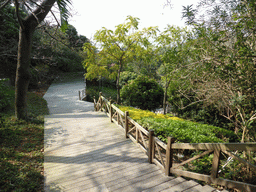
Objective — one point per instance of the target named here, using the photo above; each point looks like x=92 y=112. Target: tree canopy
x=34 y=13
x=115 y=49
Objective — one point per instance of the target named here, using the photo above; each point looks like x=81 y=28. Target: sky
x=92 y=15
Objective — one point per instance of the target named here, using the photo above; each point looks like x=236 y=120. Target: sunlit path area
x=85 y=152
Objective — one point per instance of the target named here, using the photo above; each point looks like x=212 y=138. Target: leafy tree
x=143 y=92
x=58 y=50
x=173 y=52
x=115 y=50
x=225 y=48
x=28 y=25
x=9 y=35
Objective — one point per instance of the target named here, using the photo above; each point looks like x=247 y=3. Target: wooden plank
x=216 y=146
x=215 y=164
x=224 y=182
x=180 y=187
x=160 y=155
x=159 y=164
x=208 y=188
x=191 y=159
x=169 y=156
x=165 y=185
x=131 y=129
x=118 y=110
x=160 y=143
x=126 y=128
x=114 y=121
x=138 y=144
x=240 y=160
x=150 y=146
x=142 y=138
x=196 y=188
x=121 y=120
x=138 y=126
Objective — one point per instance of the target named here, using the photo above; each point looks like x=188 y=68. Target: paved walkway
x=85 y=152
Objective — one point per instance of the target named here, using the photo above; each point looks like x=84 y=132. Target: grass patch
x=21 y=147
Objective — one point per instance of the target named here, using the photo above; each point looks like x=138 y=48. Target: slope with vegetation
x=21 y=143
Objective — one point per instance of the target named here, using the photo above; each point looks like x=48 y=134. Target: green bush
x=187 y=131
x=127 y=76
x=143 y=93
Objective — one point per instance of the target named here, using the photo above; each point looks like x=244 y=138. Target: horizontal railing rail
x=162 y=154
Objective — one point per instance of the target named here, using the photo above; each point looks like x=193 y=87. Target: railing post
x=100 y=101
x=126 y=123
x=118 y=118
x=137 y=135
x=150 y=146
x=215 y=164
x=169 y=156
x=94 y=103
x=79 y=94
x=110 y=110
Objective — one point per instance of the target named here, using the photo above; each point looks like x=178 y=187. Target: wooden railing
x=163 y=154
x=82 y=94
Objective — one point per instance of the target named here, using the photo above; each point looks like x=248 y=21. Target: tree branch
x=5 y=3
x=17 y=13
x=32 y=13
x=40 y=12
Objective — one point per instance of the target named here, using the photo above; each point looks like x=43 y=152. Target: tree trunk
x=118 y=82
x=27 y=28
x=22 y=72
x=165 y=98
x=118 y=89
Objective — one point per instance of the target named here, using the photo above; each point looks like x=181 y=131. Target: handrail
x=162 y=154
x=216 y=146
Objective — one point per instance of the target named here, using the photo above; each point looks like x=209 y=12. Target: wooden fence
x=82 y=94
x=163 y=154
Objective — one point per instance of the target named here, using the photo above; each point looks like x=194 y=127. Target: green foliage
x=137 y=114
x=107 y=92
x=142 y=92
x=223 y=51
x=9 y=35
x=202 y=165
x=127 y=76
x=182 y=130
x=188 y=131
x=21 y=144
x=6 y=95
x=116 y=49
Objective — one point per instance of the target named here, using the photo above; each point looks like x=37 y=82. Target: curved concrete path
x=85 y=152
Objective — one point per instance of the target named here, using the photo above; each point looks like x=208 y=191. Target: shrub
x=182 y=130
x=188 y=131
x=143 y=93
x=127 y=76
x=137 y=114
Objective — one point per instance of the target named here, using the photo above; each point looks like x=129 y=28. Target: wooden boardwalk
x=85 y=152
